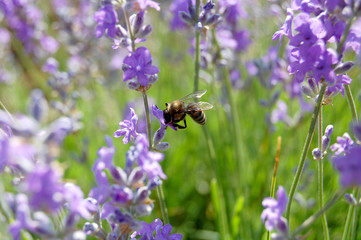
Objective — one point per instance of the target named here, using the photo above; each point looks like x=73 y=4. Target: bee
x=177 y=110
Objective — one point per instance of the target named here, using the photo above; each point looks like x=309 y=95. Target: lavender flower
x=272 y=214
x=161 y=232
x=349 y=166
x=128 y=128
x=139 y=65
x=106 y=19
x=343 y=144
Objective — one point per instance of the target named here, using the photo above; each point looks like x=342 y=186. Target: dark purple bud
x=135 y=176
x=153 y=78
x=350 y=199
x=133 y=84
x=145 y=31
x=158 y=136
x=90 y=228
x=186 y=18
x=141 y=195
x=38 y=107
x=307 y=91
x=317 y=154
x=313 y=85
x=154 y=183
x=325 y=143
x=121 y=195
x=119 y=175
x=344 y=67
x=191 y=9
x=163 y=146
x=125 y=67
x=209 y=6
x=214 y=19
x=328 y=130
x=282 y=226
x=121 y=32
x=137 y=21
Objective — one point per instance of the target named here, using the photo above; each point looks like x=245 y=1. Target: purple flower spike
x=128 y=128
x=106 y=18
x=349 y=167
x=162 y=232
x=139 y=65
x=271 y=216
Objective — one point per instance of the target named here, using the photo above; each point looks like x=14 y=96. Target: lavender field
x=180 y=119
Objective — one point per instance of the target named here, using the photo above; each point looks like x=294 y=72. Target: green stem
x=163 y=206
x=305 y=150
x=320 y=177
x=274 y=176
x=129 y=29
x=309 y=221
x=351 y=102
x=149 y=129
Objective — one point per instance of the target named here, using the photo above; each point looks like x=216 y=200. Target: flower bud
x=209 y=5
x=141 y=195
x=344 y=67
x=154 y=183
x=328 y=130
x=313 y=85
x=135 y=176
x=137 y=22
x=145 y=31
x=186 y=18
x=317 y=154
x=153 y=78
x=214 y=19
x=325 y=143
x=350 y=199
x=307 y=91
x=133 y=84
x=158 y=136
x=356 y=128
x=163 y=146
x=90 y=228
x=38 y=107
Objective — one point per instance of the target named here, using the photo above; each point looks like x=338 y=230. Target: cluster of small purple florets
x=139 y=73
x=315 y=28
x=28 y=153
x=347 y=158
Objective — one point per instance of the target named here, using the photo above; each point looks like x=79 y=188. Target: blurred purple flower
x=272 y=214
x=143 y=4
x=162 y=232
x=349 y=166
x=343 y=144
x=139 y=64
x=51 y=65
x=49 y=44
x=128 y=128
x=232 y=10
x=147 y=160
x=106 y=19
x=178 y=6
x=44 y=188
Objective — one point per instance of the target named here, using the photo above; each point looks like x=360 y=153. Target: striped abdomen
x=196 y=113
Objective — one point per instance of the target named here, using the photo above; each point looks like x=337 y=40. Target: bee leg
x=179 y=126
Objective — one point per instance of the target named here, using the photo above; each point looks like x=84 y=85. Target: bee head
x=167 y=116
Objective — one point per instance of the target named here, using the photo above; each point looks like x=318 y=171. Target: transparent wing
x=198 y=107
x=204 y=106
x=193 y=95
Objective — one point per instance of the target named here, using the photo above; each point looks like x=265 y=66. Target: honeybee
x=177 y=110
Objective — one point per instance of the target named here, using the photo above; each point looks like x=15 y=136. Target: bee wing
x=204 y=106
x=196 y=94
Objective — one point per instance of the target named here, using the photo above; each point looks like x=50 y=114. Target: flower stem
x=351 y=102
x=326 y=234
x=309 y=221
x=197 y=50
x=274 y=176
x=163 y=206
x=149 y=129
x=305 y=150
x=131 y=36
